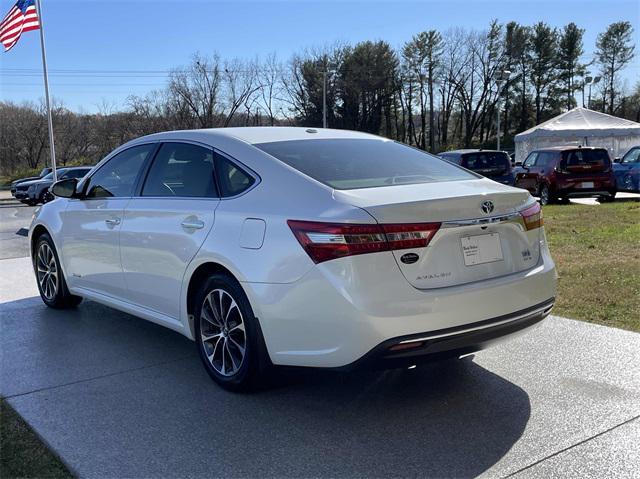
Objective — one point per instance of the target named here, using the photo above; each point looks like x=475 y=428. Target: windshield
x=487 y=162
x=50 y=175
x=633 y=156
x=363 y=163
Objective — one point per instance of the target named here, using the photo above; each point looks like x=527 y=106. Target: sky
x=102 y=38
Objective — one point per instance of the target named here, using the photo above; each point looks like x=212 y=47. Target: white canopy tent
x=580 y=126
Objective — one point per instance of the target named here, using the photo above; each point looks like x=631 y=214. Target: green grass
x=22 y=454
x=597 y=254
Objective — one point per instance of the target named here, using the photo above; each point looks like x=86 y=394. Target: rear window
x=361 y=163
x=587 y=159
x=484 y=162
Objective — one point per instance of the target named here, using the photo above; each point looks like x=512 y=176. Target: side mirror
x=65 y=188
x=617 y=159
x=518 y=163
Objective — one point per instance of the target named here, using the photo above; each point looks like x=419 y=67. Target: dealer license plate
x=481 y=249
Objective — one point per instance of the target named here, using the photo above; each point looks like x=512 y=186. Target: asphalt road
x=116 y=396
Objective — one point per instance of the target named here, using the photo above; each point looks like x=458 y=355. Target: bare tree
x=270 y=86
x=239 y=81
x=195 y=90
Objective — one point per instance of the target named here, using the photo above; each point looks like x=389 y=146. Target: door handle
x=112 y=221
x=193 y=224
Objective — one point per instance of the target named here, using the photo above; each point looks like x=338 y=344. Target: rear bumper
x=587 y=193
x=452 y=342
x=571 y=189
x=342 y=310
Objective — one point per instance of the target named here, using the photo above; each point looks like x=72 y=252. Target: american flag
x=23 y=17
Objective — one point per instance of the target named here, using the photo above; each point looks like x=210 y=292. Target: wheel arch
x=38 y=231
x=202 y=272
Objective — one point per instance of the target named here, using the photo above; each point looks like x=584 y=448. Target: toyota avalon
x=291 y=246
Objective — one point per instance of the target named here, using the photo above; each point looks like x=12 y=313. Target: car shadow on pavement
x=142 y=405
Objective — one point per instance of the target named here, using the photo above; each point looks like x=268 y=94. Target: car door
x=91 y=224
x=630 y=161
x=166 y=223
x=526 y=175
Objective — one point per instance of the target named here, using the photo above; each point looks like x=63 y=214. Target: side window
x=232 y=179
x=531 y=159
x=117 y=177
x=183 y=170
x=544 y=159
x=633 y=156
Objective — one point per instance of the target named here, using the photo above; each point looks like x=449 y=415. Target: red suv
x=567 y=172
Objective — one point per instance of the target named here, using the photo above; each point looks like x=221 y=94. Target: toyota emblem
x=486 y=207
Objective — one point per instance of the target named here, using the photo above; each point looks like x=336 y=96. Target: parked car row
x=32 y=191
x=557 y=173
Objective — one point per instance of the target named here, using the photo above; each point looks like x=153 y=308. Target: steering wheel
x=173 y=193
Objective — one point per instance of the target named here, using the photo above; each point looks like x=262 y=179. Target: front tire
x=51 y=283
x=228 y=335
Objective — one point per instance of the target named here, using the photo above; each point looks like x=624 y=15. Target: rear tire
x=544 y=193
x=49 y=276
x=228 y=335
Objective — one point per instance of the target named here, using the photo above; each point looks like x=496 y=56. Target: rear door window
x=545 y=159
x=232 y=179
x=487 y=163
x=363 y=163
x=181 y=170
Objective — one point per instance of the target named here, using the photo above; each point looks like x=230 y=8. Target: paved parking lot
x=116 y=396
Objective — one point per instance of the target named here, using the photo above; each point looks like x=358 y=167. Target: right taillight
x=532 y=217
x=326 y=241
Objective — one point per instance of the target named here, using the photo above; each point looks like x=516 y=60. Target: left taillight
x=327 y=241
x=532 y=217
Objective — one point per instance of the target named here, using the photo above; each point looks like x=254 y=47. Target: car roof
x=267 y=134
x=472 y=150
x=569 y=147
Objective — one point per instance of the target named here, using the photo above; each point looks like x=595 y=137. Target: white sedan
x=293 y=246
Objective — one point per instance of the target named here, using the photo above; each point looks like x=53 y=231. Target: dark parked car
x=35 y=191
x=567 y=172
x=495 y=165
x=627 y=171
x=43 y=173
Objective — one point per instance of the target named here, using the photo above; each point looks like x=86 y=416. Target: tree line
x=439 y=90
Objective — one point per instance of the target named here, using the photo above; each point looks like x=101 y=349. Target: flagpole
x=52 y=147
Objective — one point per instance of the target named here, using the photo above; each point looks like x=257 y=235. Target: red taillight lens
x=532 y=217
x=326 y=241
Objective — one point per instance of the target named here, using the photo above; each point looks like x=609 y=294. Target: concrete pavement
x=116 y=396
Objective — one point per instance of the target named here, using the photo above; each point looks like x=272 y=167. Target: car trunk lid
x=482 y=233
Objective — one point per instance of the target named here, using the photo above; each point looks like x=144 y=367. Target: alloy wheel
x=544 y=195
x=222 y=331
x=47 y=271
